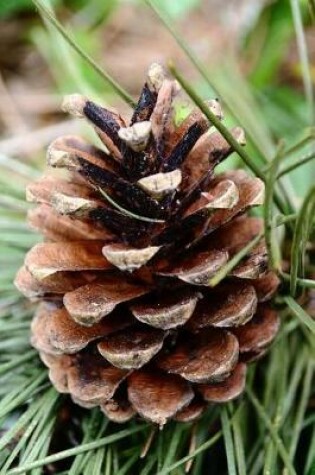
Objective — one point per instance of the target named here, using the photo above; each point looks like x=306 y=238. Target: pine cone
x=134 y=231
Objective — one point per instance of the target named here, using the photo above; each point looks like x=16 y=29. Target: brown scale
x=133 y=233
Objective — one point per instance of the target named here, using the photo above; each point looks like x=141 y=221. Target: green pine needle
x=232 y=263
x=301 y=234
x=76 y=450
x=298 y=311
x=272 y=432
x=228 y=441
x=48 y=15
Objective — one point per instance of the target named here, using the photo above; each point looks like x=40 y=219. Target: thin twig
x=300 y=313
x=272 y=431
x=300 y=237
x=223 y=130
x=307 y=283
x=148 y=443
x=273 y=254
x=302 y=161
x=224 y=271
x=192 y=448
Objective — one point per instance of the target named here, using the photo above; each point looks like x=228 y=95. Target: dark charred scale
x=129 y=230
x=104 y=120
x=154 y=159
x=109 y=162
x=167 y=202
x=137 y=200
x=181 y=232
x=144 y=166
x=136 y=163
x=183 y=147
x=160 y=152
x=145 y=105
x=129 y=194
x=129 y=159
x=147 y=161
x=95 y=174
x=159 y=155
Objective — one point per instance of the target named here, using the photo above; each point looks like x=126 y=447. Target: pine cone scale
x=89 y=303
x=229 y=306
x=45 y=259
x=166 y=311
x=132 y=348
x=201 y=358
x=158 y=396
x=55 y=332
x=226 y=390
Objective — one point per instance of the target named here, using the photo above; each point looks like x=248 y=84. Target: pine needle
x=126 y=212
x=232 y=263
x=271 y=243
x=53 y=20
x=200 y=449
x=76 y=450
x=302 y=161
x=300 y=237
x=228 y=440
x=302 y=406
x=298 y=311
x=272 y=432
